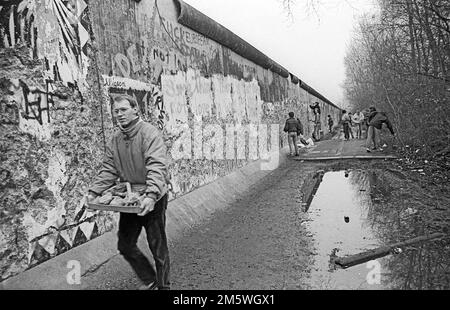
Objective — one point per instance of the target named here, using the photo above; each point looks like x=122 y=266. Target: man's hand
x=91 y=196
x=88 y=198
x=148 y=205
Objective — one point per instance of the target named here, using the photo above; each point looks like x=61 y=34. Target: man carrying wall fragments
x=137 y=154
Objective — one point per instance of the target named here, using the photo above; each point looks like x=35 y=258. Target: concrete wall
x=60 y=63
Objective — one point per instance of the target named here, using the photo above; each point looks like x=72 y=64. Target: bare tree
x=400 y=62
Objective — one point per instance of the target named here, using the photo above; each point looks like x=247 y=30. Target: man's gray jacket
x=136 y=155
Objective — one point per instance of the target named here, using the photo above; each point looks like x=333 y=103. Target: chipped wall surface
x=62 y=62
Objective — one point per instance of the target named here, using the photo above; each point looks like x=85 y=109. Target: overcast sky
x=311 y=45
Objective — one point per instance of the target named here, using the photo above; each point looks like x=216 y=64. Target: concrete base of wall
x=182 y=214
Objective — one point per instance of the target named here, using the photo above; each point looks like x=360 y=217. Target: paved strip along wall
x=220 y=105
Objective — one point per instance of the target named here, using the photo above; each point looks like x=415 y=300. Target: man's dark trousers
x=130 y=227
x=346 y=131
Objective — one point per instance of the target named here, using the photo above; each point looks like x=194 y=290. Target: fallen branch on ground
x=349 y=261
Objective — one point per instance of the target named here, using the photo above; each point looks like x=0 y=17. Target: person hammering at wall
x=375 y=125
x=317 y=124
x=137 y=154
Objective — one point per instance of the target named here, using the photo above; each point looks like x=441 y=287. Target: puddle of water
x=339 y=219
x=309 y=190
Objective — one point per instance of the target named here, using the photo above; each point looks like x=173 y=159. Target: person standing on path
x=365 y=122
x=292 y=128
x=358 y=119
x=375 y=124
x=346 y=125
x=330 y=123
x=137 y=154
x=350 y=127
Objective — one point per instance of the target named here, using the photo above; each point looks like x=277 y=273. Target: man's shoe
x=368 y=150
x=149 y=287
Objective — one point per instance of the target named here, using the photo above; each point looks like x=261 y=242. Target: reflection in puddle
x=355 y=211
x=339 y=219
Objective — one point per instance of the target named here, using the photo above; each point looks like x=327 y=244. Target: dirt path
x=257 y=243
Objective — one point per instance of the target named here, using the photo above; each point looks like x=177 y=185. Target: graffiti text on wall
x=191 y=44
x=130 y=65
x=37 y=104
x=29 y=107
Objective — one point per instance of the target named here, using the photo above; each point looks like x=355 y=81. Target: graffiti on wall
x=134 y=62
x=173 y=48
x=56 y=31
x=37 y=104
x=193 y=45
x=239 y=66
x=29 y=107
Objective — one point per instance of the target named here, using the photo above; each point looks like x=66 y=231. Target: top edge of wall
x=192 y=18
x=199 y=22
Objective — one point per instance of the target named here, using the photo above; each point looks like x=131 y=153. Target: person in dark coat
x=346 y=121
x=330 y=123
x=375 y=124
x=293 y=128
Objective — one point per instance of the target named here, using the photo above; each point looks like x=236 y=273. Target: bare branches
x=314 y=8
x=400 y=62
x=310 y=7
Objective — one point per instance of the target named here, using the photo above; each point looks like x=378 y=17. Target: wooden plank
x=311 y=158
x=113 y=208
